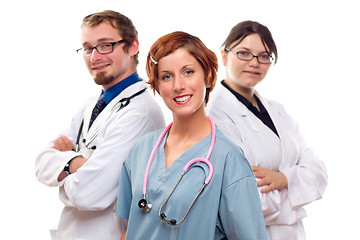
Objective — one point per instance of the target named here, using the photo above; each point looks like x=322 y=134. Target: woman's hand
x=274 y=180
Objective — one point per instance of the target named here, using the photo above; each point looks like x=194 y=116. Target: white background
x=44 y=82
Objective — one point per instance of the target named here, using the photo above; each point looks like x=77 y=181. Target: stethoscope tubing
x=123 y=103
x=187 y=166
x=147 y=170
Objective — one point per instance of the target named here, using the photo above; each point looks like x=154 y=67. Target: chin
x=103 y=79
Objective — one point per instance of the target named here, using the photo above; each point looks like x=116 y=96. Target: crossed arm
x=64 y=144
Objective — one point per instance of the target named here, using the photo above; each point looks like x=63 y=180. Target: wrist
x=76 y=163
x=67 y=168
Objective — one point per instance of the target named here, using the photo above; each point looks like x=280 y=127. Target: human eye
x=265 y=58
x=88 y=50
x=243 y=53
x=188 y=72
x=165 y=77
x=105 y=46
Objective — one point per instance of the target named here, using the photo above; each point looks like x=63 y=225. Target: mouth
x=252 y=72
x=100 y=67
x=182 y=99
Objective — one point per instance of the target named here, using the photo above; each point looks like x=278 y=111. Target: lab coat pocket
x=270 y=203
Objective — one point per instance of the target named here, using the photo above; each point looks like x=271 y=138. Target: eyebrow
x=186 y=66
x=182 y=68
x=101 y=40
x=249 y=50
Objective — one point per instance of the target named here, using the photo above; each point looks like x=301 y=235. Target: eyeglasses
x=248 y=56
x=102 y=48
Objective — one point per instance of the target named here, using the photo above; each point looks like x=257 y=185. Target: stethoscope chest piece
x=144 y=205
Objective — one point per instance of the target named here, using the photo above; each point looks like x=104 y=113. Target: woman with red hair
x=188 y=181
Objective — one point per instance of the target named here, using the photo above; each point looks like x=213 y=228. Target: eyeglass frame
x=96 y=47
x=253 y=56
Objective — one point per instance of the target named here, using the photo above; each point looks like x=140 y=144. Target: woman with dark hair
x=188 y=181
x=289 y=174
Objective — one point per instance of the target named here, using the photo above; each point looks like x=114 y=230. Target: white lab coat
x=306 y=174
x=89 y=195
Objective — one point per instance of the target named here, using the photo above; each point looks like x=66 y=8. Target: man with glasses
x=85 y=160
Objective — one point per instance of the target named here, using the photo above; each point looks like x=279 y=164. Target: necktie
x=100 y=105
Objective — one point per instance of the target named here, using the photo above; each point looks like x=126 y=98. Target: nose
x=95 y=55
x=179 y=84
x=254 y=61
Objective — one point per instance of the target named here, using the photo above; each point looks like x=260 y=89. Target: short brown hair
x=173 y=41
x=246 y=28
x=120 y=22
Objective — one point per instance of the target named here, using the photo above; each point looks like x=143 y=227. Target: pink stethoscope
x=146 y=206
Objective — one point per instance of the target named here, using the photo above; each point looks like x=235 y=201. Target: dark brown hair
x=246 y=28
x=173 y=41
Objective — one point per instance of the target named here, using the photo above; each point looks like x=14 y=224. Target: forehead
x=177 y=59
x=252 y=42
x=99 y=33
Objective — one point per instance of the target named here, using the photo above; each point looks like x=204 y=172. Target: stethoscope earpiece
x=144 y=205
x=171 y=222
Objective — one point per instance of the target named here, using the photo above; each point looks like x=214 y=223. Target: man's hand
x=63 y=144
x=274 y=180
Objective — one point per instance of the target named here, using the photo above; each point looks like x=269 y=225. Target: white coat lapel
x=111 y=108
x=282 y=124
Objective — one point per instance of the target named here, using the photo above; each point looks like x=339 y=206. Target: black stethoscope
x=123 y=103
x=146 y=206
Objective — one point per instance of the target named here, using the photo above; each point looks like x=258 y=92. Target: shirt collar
x=244 y=101
x=115 y=90
x=239 y=97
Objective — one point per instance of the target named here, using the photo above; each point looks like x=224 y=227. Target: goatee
x=103 y=79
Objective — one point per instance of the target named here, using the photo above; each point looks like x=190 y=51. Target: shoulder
x=149 y=138
x=218 y=96
x=270 y=103
x=225 y=143
x=146 y=142
x=231 y=151
x=275 y=107
x=273 y=104
x=235 y=167
x=145 y=100
x=142 y=148
x=222 y=104
x=141 y=107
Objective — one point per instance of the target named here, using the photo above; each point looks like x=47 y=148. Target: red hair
x=173 y=41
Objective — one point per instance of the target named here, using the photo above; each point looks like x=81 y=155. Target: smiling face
x=242 y=76
x=182 y=83
x=108 y=69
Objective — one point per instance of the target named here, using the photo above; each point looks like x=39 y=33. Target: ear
x=223 y=56
x=134 y=47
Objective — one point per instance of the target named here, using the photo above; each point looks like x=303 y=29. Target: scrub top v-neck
x=214 y=215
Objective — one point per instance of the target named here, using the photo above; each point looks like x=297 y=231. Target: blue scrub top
x=229 y=207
